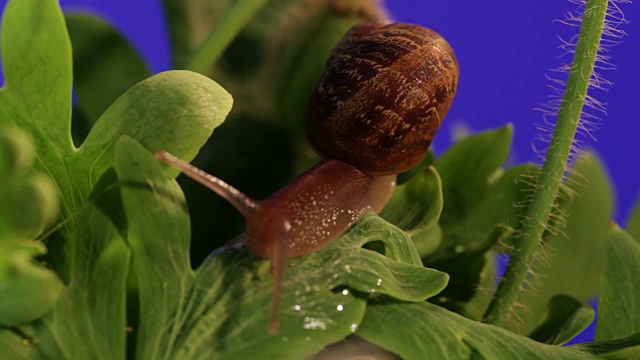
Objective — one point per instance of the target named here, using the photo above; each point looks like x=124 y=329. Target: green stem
x=222 y=35
x=555 y=164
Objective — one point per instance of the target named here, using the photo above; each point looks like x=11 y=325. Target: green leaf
x=175 y=111
x=633 y=226
x=428 y=160
x=478 y=196
x=467 y=166
x=105 y=65
x=614 y=349
x=493 y=222
x=474 y=308
x=36 y=59
x=572 y=259
x=566 y=318
x=185 y=313
x=415 y=207
x=466 y=275
x=86 y=320
x=13 y=346
x=431 y=332
x=619 y=301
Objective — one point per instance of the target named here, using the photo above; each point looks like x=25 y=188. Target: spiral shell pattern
x=382 y=97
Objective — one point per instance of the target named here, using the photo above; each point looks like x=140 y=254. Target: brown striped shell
x=382 y=97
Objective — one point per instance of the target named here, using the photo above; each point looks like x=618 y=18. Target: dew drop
x=379 y=282
x=311 y=323
x=340 y=307
x=353 y=327
x=297 y=307
x=345 y=292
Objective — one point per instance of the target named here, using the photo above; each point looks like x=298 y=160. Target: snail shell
x=382 y=97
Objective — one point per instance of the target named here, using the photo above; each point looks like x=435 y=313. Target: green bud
x=27 y=291
x=28 y=201
x=16 y=151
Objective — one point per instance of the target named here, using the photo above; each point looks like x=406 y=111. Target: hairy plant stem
x=554 y=166
x=222 y=35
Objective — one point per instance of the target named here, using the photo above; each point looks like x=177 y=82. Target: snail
x=381 y=99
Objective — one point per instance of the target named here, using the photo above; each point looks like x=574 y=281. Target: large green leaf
x=221 y=310
x=86 y=320
x=571 y=261
x=431 y=332
x=619 y=301
x=175 y=111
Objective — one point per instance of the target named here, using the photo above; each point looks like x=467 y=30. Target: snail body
x=375 y=111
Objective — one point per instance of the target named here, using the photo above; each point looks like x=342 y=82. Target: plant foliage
x=97 y=250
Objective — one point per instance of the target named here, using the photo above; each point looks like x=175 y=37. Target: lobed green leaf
x=432 y=332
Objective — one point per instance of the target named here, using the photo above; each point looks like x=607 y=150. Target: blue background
x=505 y=50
